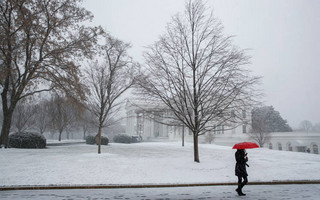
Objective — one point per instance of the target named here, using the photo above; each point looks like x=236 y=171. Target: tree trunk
x=5 y=130
x=195 y=147
x=99 y=141
x=7 y=119
x=60 y=133
x=84 y=133
x=183 y=135
x=68 y=135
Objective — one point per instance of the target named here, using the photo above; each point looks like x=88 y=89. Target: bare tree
x=86 y=122
x=69 y=130
x=41 y=42
x=306 y=125
x=108 y=81
x=42 y=116
x=210 y=137
x=62 y=114
x=23 y=116
x=197 y=73
x=261 y=126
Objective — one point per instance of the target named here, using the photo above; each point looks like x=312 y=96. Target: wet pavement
x=254 y=192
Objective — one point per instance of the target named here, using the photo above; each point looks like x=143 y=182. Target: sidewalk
x=121 y=186
x=254 y=192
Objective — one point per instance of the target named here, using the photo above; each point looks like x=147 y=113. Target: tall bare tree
x=86 y=122
x=62 y=113
x=42 y=116
x=41 y=42
x=306 y=125
x=197 y=73
x=23 y=116
x=108 y=81
x=261 y=127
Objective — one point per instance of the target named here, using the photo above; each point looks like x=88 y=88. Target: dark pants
x=242 y=183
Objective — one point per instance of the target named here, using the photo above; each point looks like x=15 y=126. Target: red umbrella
x=245 y=145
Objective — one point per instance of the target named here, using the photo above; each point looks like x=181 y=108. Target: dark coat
x=240 y=169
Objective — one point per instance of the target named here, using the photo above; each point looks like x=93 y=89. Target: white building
x=140 y=123
x=295 y=141
x=143 y=123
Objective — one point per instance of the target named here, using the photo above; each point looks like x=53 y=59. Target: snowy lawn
x=148 y=163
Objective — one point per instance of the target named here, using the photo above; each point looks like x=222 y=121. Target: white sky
x=283 y=37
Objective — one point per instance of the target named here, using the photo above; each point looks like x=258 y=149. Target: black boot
x=241 y=193
x=238 y=190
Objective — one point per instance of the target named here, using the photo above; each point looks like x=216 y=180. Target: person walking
x=240 y=170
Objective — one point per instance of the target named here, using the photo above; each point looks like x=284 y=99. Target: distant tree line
x=307 y=126
x=56 y=116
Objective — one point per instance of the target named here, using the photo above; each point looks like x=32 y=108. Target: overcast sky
x=283 y=36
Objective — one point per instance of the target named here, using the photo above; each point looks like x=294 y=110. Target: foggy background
x=282 y=38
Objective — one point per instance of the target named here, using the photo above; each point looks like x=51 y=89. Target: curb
x=123 y=186
x=65 y=144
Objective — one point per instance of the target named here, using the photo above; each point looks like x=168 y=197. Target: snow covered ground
x=148 y=163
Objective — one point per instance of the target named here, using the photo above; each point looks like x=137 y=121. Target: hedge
x=28 y=140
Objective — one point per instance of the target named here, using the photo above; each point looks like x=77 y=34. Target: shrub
x=27 y=140
x=104 y=140
x=94 y=140
x=122 y=138
x=90 y=139
x=136 y=139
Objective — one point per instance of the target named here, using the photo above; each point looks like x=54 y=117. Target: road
x=254 y=192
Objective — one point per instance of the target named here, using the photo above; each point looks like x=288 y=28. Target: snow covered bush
x=122 y=138
x=135 y=139
x=94 y=140
x=104 y=140
x=90 y=139
x=27 y=140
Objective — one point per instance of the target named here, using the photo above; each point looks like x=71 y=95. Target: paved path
x=254 y=192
